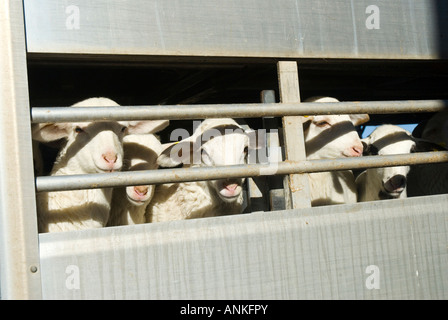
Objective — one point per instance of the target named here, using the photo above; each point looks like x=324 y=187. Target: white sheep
x=328 y=137
x=129 y=203
x=388 y=182
x=215 y=142
x=91 y=147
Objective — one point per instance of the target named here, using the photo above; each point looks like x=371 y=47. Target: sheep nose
x=110 y=157
x=141 y=190
x=398 y=181
x=357 y=151
x=231 y=187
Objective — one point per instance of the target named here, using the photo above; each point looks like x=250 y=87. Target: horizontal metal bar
x=179 y=112
x=117 y=179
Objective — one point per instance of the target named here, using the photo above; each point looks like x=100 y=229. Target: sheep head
x=140 y=152
x=332 y=136
x=216 y=142
x=388 y=140
x=222 y=150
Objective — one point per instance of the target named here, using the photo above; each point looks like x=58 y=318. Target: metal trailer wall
x=393 y=249
x=375 y=250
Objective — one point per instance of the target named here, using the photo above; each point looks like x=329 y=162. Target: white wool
x=189 y=200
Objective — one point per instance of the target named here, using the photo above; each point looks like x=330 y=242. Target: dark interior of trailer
x=131 y=80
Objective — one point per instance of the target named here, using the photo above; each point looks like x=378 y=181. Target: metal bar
x=117 y=179
x=257 y=188
x=275 y=183
x=179 y=112
x=19 y=251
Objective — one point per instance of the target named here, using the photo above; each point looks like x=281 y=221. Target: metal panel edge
x=19 y=257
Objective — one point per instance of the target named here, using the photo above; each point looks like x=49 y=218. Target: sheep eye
x=123 y=129
x=78 y=130
x=372 y=150
x=323 y=123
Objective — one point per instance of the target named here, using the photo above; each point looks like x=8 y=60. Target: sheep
x=129 y=203
x=90 y=147
x=431 y=179
x=389 y=182
x=435 y=129
x=215 y=142
x=425 y=180
x=332 y=136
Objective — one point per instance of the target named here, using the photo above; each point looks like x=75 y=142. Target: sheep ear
x=423 y=145
x=175 y=154
x=418 y=130
x=307 y=118
x=359 y=119
x=47 y=132
x=149 y=126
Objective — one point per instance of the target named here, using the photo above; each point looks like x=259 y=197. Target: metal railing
x=179 y=112
x=116 y=179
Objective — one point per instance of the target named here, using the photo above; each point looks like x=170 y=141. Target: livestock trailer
x=196 y=59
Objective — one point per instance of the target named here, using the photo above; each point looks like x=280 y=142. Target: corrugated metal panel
x=393 y=249
x=240 y=28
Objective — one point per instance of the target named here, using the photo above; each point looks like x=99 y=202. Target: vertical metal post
x=274 y=182
x=297 y=190
x=19 y=251
x=258 y=186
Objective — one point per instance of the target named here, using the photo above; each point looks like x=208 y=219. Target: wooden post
x=297 y=190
